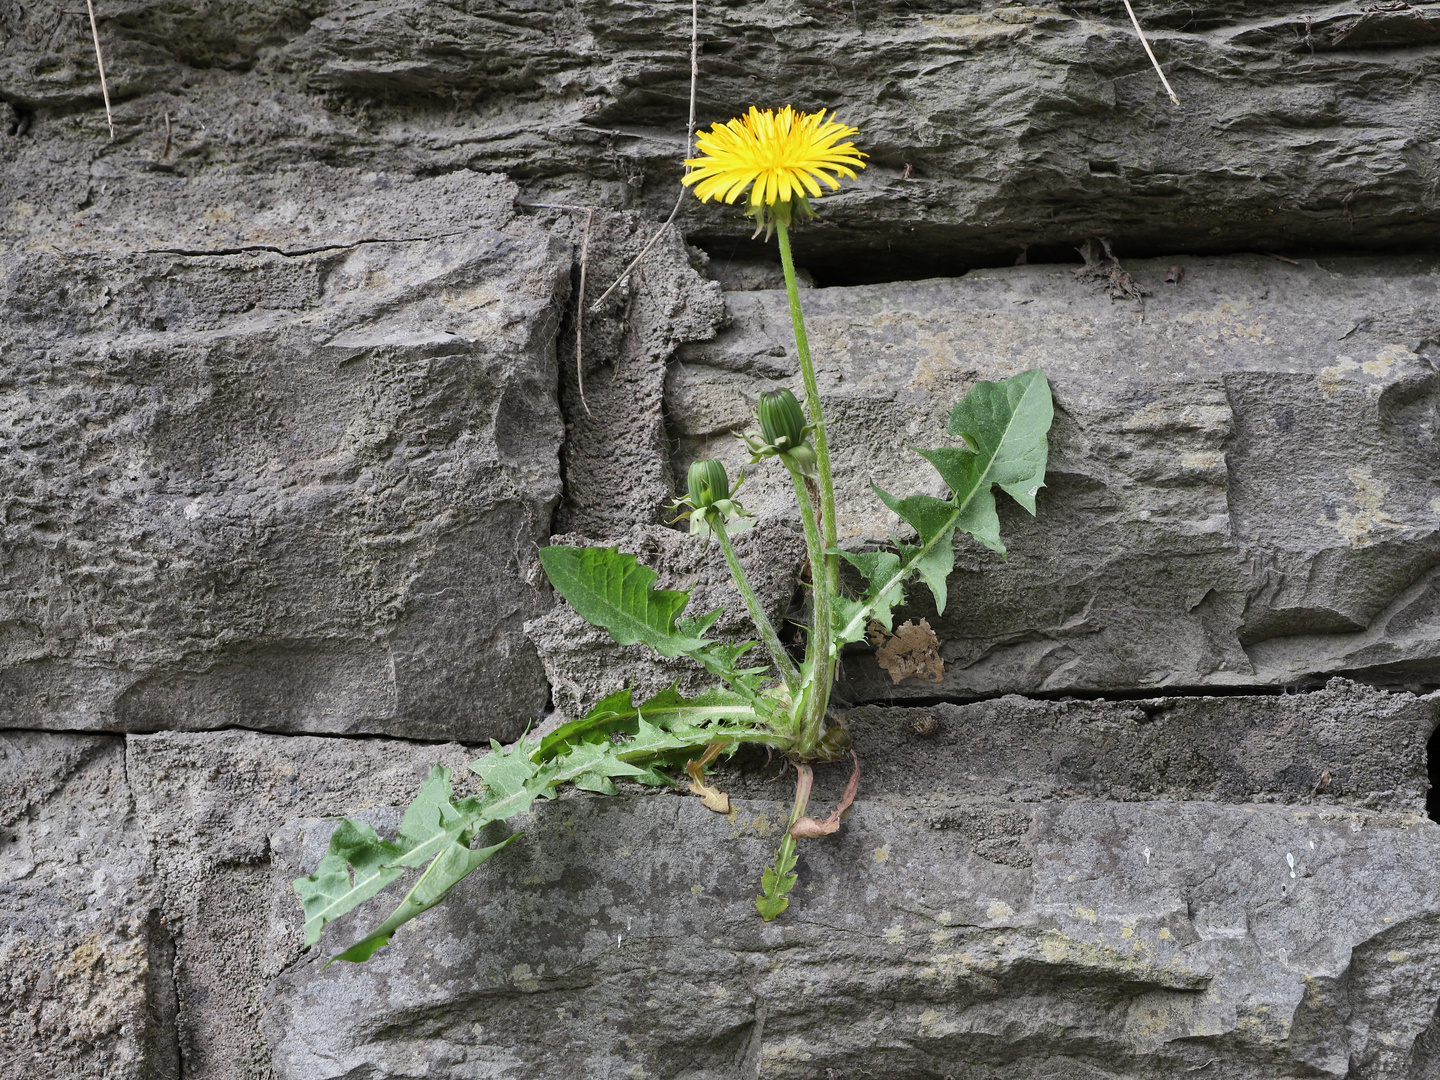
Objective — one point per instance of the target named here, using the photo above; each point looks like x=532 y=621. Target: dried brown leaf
x=912 y=652
x=713 y=798
x=807 y=828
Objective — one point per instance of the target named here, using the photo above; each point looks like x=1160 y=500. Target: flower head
x=707 y=483
x=780 y=158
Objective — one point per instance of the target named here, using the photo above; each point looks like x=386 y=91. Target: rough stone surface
x=948 y=933
x=1243 y=478
x=615 y=457
x=284 y=491
x=207 y=804
x=991 y=126
x=583 y=662
x=290 y=395
x=85 y=957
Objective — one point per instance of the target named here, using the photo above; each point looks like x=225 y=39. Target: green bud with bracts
x=783 y=432
x=712 y=505
x=708 y=483
x=782 y=423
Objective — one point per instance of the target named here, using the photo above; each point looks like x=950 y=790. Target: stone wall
x=290 y=396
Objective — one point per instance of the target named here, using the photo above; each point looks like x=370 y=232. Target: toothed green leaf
x=1007 y=422
x=612 y=590
x=445 y=871
x=933 y=567
x=1005 y=428
x=884 y=589
x=330 y=891
x=685 y=721
x=777 y=880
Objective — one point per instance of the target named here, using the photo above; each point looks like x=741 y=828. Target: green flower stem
x=788 y=671
x=820 y=649
x=830 y=563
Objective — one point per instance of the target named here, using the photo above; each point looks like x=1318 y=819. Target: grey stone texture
x=1243 y=474
x=285 y=491
x=291 y=392
x=208 y=804
x=991 y=126
x=85 y=954
x=1034 y=888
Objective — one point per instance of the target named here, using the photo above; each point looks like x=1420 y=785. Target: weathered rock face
x=277 y=490
x=1242 y=487
x=1144 y=937
x=990 y=126
x=299 y=370
x=85 y=955
x=207 y=805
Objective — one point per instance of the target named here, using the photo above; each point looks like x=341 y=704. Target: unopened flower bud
x=708 y=483
x=782 y=422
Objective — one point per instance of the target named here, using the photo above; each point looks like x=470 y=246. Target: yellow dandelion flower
x=778 y=157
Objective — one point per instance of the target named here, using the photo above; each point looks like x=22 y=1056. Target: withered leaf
x=807 y=828
x=912 y=652
x=712 y=797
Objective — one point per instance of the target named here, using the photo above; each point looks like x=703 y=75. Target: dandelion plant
x=778 y=161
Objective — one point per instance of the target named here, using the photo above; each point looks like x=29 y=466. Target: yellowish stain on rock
x=1332 y=378
x=217 y=215
x=1229 y=321
x=933 y=1025
x=762 y=825
x=1088 y=914
x=1395 y=956
x=468 y=299
x=998 y=910
x=1357 y=526
x=881 y=854
x=1386 y=359
x=895 y=935
x=1203 y=459
x=1158 y=1016
x=792 y=1049
x=525 y=979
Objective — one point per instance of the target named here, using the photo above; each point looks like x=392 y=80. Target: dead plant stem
x=1141 y=33
x=580 y=310
x=100 y=63
x=689 y=144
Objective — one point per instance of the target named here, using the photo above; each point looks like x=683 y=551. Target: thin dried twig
x=589 y=212
x=1163 y=81
x=100 y=63
x=580 y=310
x=689 y=145
x=166 y=152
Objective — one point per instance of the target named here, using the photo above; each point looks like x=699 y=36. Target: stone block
x=943 y=931
x=1242 y=471
x=286 y=475
x=208 y=804
x=86 y=959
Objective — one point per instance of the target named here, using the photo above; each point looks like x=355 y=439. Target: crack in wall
x=290 y=253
